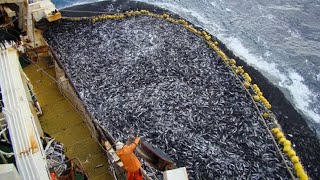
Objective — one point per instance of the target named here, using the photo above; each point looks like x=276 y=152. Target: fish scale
x=171 y=87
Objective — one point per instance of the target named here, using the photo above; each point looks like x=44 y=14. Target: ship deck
x=61 y=121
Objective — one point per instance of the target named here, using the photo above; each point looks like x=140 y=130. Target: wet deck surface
x=62 y=121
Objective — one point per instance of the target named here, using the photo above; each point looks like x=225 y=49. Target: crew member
x=130 y=161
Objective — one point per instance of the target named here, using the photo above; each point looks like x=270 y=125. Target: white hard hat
x=119 y=145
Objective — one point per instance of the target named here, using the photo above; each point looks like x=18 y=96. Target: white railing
x=26 y=143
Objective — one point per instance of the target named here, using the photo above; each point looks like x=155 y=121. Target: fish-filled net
x=170 y=87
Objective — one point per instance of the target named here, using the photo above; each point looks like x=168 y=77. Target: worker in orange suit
x=130 y=161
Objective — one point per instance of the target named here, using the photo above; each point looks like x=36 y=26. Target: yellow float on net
x=291 y=153
x=207 y=37
x=247 y=77
x=174 y=21
x=287 y=142
x=256 y=98
x=246 y=84
x=294 y=159
x=192 y=29
x=222 y=54
x=204 y=33
x=233 y=61
x=282 y=140
x=233 y=67
x=226 y=60
x=298 y=166
x=241 y=71
x=136 y=13
x=256 y=89
x=183 y=22
x=150 y=14
x=300 y=172
x=304 y=176
x=275 y=130
x=265 y=115
x=129 y=13
x=286 y=149
x=143 y=11
x=263 y=99
x=279 y=135
x=268 y=106
x=164 y=16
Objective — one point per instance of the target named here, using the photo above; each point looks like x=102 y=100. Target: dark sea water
x=279 y=38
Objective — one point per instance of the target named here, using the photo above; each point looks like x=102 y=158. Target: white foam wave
x=80 y=2
x=290 y=81
x=302 y=95
x=188 y=14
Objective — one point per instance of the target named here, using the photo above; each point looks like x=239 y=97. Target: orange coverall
x=130 y=161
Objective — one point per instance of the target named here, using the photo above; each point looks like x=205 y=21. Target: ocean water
x=280 y=38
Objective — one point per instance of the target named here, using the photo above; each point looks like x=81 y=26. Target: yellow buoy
x=291 y=153
x=276 y=130
x=264 y=101
x=268 y=106
x=300 y=172
x=204 y=33
x=265 y=115
x=287 y=142
x=304 y=176
x=247 y=77
x=232 y=61
x=165 y=15
x=183 y=22
x=246 y=84
x=260 y=93
x=240 y=70
x=279 y=135
x=294 y=159
x=298 y=166
x=207 y=37
x=286 y=149
x=234 y=67
x=281 y=140
x=257 y=89
x=256 y=98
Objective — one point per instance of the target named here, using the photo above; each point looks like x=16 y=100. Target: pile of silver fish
x=169 y=86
